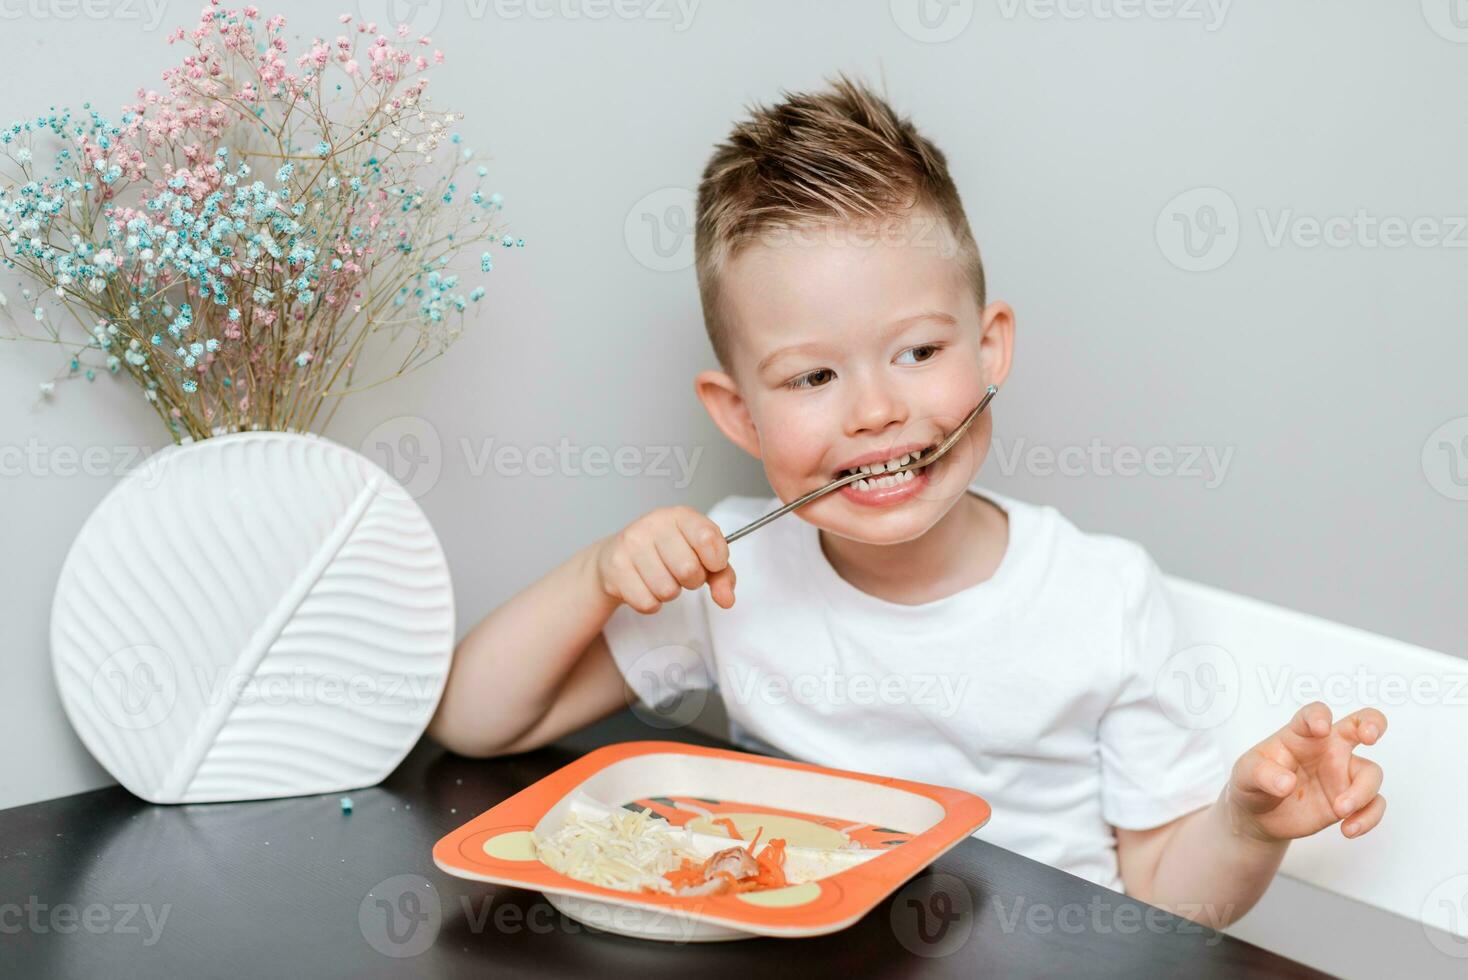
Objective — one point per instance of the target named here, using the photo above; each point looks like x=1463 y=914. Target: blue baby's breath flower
x=477 y=293
x=284 y=173
x=323 y=148
x=190 y=385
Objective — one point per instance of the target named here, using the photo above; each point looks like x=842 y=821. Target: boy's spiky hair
x=836 y=156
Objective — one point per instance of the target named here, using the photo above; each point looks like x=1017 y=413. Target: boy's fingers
x=1311 y=721
x=1263 y=775
x=1363 y=727
x=1366 y=779
x=635 y=593
x=721 y=587
x=655 y=574
x=706 y=539
x=679 y=559
x=1365 y=818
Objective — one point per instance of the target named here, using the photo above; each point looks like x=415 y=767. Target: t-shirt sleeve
x=664 y=653
x=1160 y=757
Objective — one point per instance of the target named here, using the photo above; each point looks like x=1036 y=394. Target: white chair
x=1257 y=663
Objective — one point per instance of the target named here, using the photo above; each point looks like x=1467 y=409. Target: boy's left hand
x=1304 y=777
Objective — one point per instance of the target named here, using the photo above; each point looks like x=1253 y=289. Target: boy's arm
x=1213 y=864
x=538 y=666
x=533 y=669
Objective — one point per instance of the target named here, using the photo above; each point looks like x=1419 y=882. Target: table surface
x=105 y=884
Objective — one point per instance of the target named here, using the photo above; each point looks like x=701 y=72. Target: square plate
x=893 y=827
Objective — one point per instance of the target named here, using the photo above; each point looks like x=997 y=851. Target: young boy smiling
x=954 y=635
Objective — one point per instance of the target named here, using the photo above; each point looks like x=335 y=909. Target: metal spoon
x=938 y=452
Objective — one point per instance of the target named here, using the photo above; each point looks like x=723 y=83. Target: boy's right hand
x=651 y=560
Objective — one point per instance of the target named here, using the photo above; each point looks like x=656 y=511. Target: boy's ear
x=996 y=342
x=725 y=405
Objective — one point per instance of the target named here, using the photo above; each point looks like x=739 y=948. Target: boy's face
x=853 y=346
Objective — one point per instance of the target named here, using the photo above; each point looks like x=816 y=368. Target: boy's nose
x=874 y=409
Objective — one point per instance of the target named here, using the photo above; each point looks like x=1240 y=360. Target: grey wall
x=1321 y=373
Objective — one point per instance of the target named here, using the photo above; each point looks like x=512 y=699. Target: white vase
x=256 y=615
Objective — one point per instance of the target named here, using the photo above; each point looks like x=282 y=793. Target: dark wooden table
x=102 y=884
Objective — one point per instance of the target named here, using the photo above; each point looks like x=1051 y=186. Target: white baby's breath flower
x=3 y=301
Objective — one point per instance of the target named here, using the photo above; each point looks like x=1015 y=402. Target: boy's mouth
x=878 y=475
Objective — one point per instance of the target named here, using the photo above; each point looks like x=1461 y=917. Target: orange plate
x=494 y=846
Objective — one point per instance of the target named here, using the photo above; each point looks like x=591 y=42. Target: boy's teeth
x=880 y=482
x=878 y=468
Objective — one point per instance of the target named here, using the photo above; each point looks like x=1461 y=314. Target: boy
x=1015 y=656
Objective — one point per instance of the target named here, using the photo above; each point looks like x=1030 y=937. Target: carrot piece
x=757 y=831
x=729 y=826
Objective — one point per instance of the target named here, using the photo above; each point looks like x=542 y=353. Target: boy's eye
x=807 y=380
x=932 y=348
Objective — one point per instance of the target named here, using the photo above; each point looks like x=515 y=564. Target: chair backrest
x=1248 y=665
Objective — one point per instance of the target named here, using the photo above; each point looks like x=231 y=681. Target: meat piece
x=735 y=860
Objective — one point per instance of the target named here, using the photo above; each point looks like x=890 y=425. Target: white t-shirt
x=1033 y=689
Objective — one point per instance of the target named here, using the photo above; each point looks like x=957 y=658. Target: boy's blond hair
x=833 y=157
